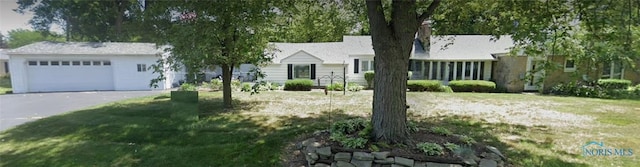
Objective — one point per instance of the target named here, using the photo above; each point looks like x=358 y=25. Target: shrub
x=466 y=139
x=614 y=83
x=472 y=86
x=369 y=77
x=187 y=87
x=337 y=86
x=351 y=133
x=246 y=87
x=235 y=84
x=215 y=84
x=275 y=86
x=424 y=85
x=441 y=131
x=298 y=85
x=446 y=89
x=354 y=87
x=431 y=149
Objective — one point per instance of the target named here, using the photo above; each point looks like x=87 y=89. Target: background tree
x=3 y=42
x=206 y=33
x=86 y=20
x=21 y=37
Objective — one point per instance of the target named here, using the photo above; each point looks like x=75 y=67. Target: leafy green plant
x=215 y=84
x=336 y=86
x=298 y=85
x=187 y=87
x=275 y=86
x=351 y=133
x=424 y=85
x=246 y=87
x=354 y=87
x=467 y=140
x=431 y=149
x=451 y=146
x=441 y=131
x=235 y=84
x=369 y=75
x=446 y=89
x=614 y=83
x=412 y=126
x=472 y=86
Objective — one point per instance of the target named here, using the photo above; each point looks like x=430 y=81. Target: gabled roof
x=447 y=47
x=86 y=48
x=463 y=47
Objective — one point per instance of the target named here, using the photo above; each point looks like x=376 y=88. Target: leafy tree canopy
x=21 y=37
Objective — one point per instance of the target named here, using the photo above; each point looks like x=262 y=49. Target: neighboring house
x=4 y=63
x=85 y=66
x=457 y=57
x=468 y=58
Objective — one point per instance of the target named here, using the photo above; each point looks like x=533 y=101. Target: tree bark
x=226 y=85
x=392 y=44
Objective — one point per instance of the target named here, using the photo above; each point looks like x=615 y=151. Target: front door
x=534 y=81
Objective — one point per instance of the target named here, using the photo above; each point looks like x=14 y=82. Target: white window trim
x=369 y=65
x=142 y=67
x=573 y=69
x=612 y=72
x=293 y=72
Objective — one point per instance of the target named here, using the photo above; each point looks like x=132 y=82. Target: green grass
x=152 y=131
x=5 y=84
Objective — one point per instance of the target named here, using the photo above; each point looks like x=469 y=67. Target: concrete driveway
x=16 y=109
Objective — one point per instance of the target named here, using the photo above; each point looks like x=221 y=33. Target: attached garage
x=82 y=66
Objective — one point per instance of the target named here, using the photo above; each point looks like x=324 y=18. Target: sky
x=10 y=20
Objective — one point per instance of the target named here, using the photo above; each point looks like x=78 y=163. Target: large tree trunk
x=226 y=85
x=392 y=44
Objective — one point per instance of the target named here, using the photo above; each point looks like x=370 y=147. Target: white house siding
x=278 y=73
x=357 y=77
x=124 y=71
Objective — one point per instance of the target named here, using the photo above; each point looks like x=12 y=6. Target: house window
x=301 y=71
x=142 y=67
x=55 y=63
x=44 y=63
x=75 y=63
x=6 y=67
x=106 y=63
x=569 y=65
x=33 y=63
x=86 y=63
x=612 y=71
x=367 y=65
x=468 y=72
x=97 y=63
x=65 y=63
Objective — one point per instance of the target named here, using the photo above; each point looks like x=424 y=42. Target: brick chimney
x=424 y=35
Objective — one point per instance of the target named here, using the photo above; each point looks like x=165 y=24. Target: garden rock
x=321 y=165
x=420 y=164
x=313 y=156
x=344 y=164
x=381 y=155
x=384 y=161
x=324 y=152
x=363 y=156
x=470 y=161
x=403 y=161
x=342 y=156
x=361 y=163
x=496 y=151
x=488 y=163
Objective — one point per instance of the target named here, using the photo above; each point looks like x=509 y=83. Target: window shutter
x=289 y=71
x=313 y=71
x=356 y=65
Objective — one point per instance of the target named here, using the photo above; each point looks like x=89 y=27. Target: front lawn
x=532 y=130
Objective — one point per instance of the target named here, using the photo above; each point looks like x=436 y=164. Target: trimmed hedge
x=369 y=77
x=472 y=86
x=424 y=85
x=298 y=85
x=614 y=83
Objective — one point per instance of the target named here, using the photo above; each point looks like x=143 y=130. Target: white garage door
x=69 y=75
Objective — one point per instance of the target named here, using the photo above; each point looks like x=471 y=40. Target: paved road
x=16 y=109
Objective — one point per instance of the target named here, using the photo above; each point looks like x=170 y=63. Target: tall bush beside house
x=298 y=85
x=614 y=83
x=472 y=86
x=424 y=85
x=369 y=77
x=186 y=93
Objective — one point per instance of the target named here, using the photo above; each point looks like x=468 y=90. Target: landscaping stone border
x=318 y=155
